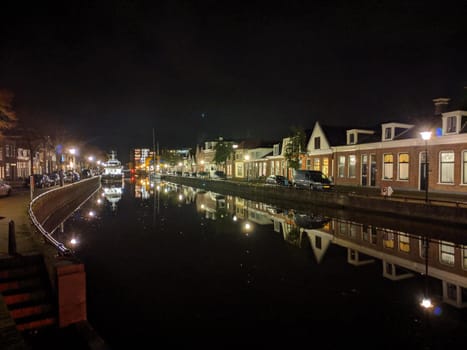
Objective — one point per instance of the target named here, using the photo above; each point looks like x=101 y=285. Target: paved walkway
x=14 y=208
x=82 y=335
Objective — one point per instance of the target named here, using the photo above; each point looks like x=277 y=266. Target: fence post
x=11 y=238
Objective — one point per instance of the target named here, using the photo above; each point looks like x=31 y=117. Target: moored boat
x=113 y=168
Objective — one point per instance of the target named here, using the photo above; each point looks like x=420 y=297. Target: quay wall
x=413 y=208
x=66 y=274
x=54 y=206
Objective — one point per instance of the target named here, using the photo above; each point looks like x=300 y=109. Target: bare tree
x=8 y=117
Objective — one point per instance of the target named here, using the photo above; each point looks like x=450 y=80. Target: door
x=364 y=172
x=423 y=171
x=373 y=170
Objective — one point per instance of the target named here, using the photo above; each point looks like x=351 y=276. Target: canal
x=180 y=266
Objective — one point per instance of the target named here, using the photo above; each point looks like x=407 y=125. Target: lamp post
x=426 y=135
x=426 y=302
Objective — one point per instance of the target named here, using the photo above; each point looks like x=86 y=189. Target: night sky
x=110 y=71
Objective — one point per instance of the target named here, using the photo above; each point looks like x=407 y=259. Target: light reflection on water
x=170 y=262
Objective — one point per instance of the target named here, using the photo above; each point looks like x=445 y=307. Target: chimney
x=441 y=104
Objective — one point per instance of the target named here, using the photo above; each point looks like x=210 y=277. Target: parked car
x=314 y=180
x=54 y=178
x=41 y=181
x=5 y=189
x=72 y=176
x=218 y=175
x=277 y=180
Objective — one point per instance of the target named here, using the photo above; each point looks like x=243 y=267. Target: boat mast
x=154 y=151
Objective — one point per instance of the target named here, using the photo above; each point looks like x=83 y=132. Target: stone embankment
x=451 y=209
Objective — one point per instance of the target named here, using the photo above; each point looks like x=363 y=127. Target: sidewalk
x=14 y=208
x=78 y=336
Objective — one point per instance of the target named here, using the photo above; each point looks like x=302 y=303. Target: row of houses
x=16 y=162
x=391 y=154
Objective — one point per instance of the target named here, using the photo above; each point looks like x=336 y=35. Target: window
x=325 y=167
x=446 y=167
x=276 y=150
x=352 y=139
x=1 y=153
x=308 y=164
x=404 y=242
x=343 y=227
x=388 y=167
x=464 y=167
x=464 y=257
x=403 y=166
x=387 y=133
x=317 y=142
x=318 y=242
x=240 y=170
x=341 y=166
x=352 y=165
x=316 y=163
x=388 y=239
x=451 y=124
x=355 y=229
x=446 y=253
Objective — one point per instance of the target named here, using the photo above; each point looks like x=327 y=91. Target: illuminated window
x=403 y=166
x=446 y=253
x=341 y=166
x=325 y=167
x=316 y=163
x=404 y=242
x=352 y=165
x=388 y=239
x=464 y=257
x=464 y=167
x=388 y=166
x=446 y=167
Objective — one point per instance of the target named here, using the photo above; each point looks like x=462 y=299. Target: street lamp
x=426 y=302
x=426 y=135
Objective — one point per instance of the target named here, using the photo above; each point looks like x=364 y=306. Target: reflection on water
x=198 y=264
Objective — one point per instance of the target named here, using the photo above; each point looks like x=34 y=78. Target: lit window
x=446 y=167
x=403 y=166
x=352 y=165
x=388 y=167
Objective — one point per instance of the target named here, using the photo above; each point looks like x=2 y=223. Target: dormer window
x=392 y=131
x=355 y=136
x=276 y=150
x=388 y=133
x=451 y=124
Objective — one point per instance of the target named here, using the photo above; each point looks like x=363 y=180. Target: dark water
x=177 y=267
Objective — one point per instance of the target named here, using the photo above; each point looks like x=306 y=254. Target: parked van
x=311 y=179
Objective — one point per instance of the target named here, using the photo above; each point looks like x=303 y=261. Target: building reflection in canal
x=438 y=270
